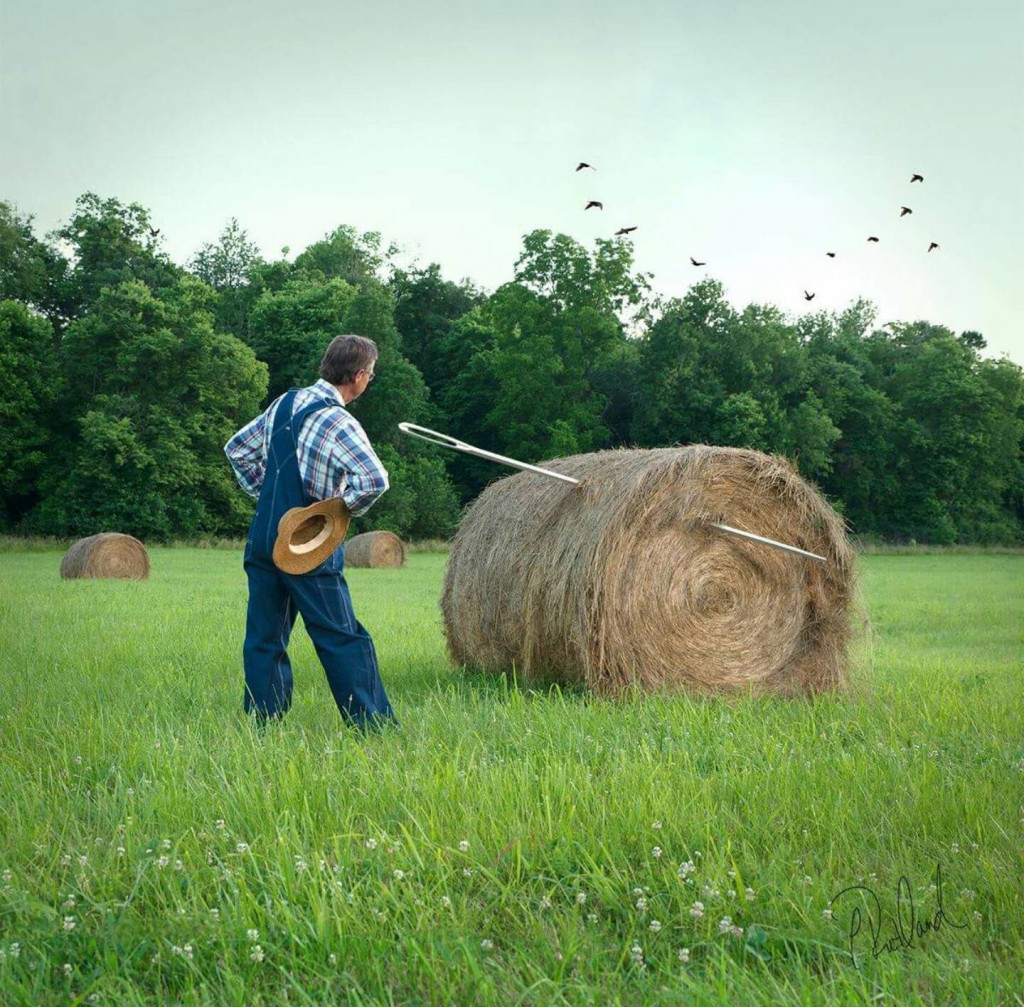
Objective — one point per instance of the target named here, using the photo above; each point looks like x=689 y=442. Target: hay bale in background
x=375 y=548
x=620 y=578
x=109 y=554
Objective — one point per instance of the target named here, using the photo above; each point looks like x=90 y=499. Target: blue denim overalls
x=322 y=597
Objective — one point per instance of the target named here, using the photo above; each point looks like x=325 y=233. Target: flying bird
x=594 y=202
x=625 y=230
x=872 y=238
x=808 y=297
x=831 y=255
x=154 y=231
x=696 y=263
x=917 y=178
x=904 y=210
x=934 y=244
x=583 y=164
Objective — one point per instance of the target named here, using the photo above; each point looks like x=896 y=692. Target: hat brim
x=306 y=536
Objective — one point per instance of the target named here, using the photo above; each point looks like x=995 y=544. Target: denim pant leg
x=344 y=646
x=271 y=616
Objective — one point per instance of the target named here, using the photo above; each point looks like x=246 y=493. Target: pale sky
x=755 y=136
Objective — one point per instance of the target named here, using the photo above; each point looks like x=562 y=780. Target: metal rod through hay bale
x=621 y=578
x=109 y=554
x=375 y=549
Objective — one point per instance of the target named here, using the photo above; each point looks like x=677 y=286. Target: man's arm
x=245 y=452
x=347 y=466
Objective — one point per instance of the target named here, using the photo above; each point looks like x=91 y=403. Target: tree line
x=122 y=375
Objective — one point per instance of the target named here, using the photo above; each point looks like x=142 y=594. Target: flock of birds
x=595 y=204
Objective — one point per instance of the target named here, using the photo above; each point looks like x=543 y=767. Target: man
x=307 y=447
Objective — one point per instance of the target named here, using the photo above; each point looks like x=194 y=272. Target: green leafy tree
x=153 y=393
x=112 y=243
x=291 y=328
x=29 y=385
x=231 y=265
x=32 y=271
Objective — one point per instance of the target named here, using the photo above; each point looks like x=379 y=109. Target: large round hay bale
x=375 y=548
x=620 y=579
x=109 y=554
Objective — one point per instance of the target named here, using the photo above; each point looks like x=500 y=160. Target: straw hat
x=306 y=536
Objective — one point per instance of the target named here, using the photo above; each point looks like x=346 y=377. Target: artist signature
x=904 y=923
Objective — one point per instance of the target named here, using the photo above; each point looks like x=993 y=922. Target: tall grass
x=511 y=844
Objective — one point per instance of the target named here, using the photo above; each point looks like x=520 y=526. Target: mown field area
x=511 y=844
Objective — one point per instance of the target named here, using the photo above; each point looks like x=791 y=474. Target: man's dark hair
x=346 y=357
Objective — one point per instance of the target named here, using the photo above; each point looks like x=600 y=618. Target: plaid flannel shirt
x=335 y=457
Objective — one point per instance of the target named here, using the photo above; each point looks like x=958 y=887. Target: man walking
x=304 y=448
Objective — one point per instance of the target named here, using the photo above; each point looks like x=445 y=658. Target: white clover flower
x=487 y=944
x=808 y=879
x=750 y=894
x=69 y=923
x=656 y=852
x=641 y=904
x=968 y=893
x=188 y=951
x=166 y=845
x=215 y=913
x=697 y=910
x=220 y=824
x=686 y=868
x=163 y=861
x=332 y=959
x=242 y=847
x=65 y=860
x=120 y=851
x=371 y=843
x=725 y=923
x=15 y=949
x=545 y=903
x=7 y=876
x=68 y=969
x=684 y=955
x=83 y=860
x=591 y=917
x=252 y=936
x=446 y=902
x=976 y=916
x=655 y=925
x=731 y=873
x=256 y=953
x=827 y=913
x=731 y=893
x=464 y=845
x=655 y=825
x=179 y=865
x=581 y=897
x=68 y=903
x=468 y=871
x=638 y=891
x=300 y=864
x=398 y=875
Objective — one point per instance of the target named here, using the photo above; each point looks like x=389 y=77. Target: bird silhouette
x=583 y=164
x=917 y=178
x=808 y=297
x=154 y=231
x=904 y=210
x=934 y=244
x=696 y=263
x=594 y=202
x=625 y=230
x=872 y=238
x=831 y=255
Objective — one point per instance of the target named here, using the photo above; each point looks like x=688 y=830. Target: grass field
x=509 y=845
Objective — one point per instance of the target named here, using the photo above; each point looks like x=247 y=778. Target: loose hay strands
x=109 y=554
x=619 y=579
x=376 y=549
